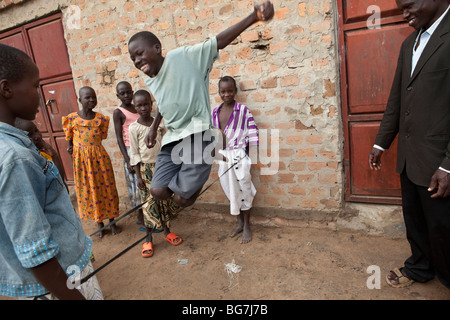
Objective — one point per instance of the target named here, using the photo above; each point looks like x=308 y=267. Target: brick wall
x=286 y=72
x=6 y=3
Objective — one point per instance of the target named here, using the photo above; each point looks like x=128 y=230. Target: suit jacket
x=418 y=109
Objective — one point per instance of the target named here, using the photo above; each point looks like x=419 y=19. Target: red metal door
x=370 y=36
x=43 y=40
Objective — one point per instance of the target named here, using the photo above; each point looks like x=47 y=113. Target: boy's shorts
x=184 y=166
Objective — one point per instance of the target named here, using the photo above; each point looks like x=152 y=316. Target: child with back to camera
x=40 y=233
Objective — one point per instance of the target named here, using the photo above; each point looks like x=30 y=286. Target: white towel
x=237 y=182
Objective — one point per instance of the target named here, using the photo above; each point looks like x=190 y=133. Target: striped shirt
x=241 y=130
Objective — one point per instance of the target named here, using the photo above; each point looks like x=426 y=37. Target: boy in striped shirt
x=240 y=132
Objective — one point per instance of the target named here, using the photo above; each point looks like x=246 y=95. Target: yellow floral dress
x=95 y=185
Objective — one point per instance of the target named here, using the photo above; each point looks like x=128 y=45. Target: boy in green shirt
x=179 y=83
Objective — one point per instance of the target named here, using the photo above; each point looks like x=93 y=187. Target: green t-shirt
x=181 y=89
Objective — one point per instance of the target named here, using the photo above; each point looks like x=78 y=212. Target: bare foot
x=115 y=230
x=236 y=230
x=101 y=233
x=247 y=235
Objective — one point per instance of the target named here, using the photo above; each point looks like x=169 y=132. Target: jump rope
x=151 y=231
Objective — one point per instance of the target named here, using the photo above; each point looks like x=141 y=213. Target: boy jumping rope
x=179 y=83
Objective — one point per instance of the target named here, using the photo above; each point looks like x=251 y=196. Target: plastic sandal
x=146 y=247
x=171 y=237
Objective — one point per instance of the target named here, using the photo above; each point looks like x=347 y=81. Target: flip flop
x=147 y=250
x=171 y=237
x=400 y=278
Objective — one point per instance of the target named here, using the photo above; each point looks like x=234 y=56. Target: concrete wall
x=287 y=73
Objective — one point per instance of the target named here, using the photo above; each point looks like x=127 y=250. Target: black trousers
x=427 y=224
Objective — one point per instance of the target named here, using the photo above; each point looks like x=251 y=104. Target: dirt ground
x=280 y=263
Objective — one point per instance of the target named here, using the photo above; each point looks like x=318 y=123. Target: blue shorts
x=184 y=166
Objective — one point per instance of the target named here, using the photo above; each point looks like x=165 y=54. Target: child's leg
x=101 y=233
x=196 y=159
x=147 y=247
x=114 y=229
x=243 y=225
x=165 y=169
x=247 y=234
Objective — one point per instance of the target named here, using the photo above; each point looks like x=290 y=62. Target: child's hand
x=264 y=11
x=140 y=184
x=150 y=139
x=130 y=168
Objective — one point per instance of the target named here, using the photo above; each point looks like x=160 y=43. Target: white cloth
x=237 y=182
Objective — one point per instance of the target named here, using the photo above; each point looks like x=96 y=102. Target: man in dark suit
x=418 y=110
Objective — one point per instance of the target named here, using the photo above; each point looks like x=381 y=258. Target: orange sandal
x=147 y=250
x=171 y=237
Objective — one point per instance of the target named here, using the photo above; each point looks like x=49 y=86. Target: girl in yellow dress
x=95 y=185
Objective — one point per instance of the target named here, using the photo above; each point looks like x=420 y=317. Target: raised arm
x=150 y=139
x=262 y=12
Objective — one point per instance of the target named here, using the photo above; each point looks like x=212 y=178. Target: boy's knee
x=160 y=193
x=182 y=202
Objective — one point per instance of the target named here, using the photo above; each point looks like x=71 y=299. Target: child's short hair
x=145 y=35
x=13 y=63
x=144 y=93
x=123 y=82
x=227 y=79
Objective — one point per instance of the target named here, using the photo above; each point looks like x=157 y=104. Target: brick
x=269 y=83
x=250 y=36
x=305 y=153
x=294 y=140
x=259 y=97
x=286 y=178
x=301 y=178
x=297 y=166
x=246 y=85
x=314 y=139
x=254 y=67
x=245 y=53
x=329 y=88
x=322 y=26
x=310 y=203
x=328 y=178
x=297 y=190
x=302 y=9
x=281 y=13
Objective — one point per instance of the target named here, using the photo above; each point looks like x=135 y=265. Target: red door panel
x=357 y=9
x=49 y=49
x=15 y=40
x=61 y=147
x=372 y=56
x=60 y=100
x=365 y=181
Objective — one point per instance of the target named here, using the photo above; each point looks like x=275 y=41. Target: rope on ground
x=151 y=232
